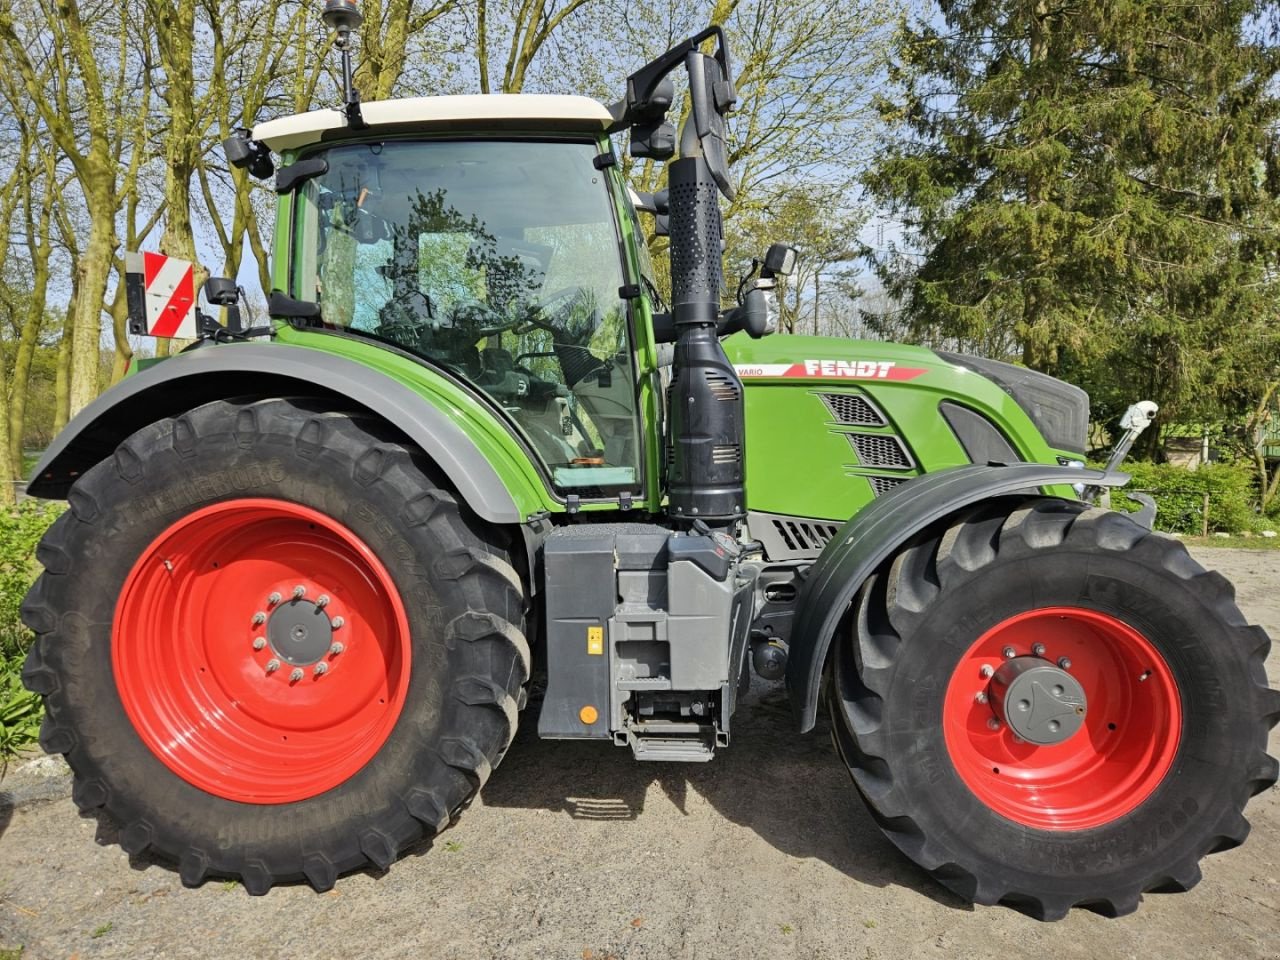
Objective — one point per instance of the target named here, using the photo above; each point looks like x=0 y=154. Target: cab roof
x=487 y=111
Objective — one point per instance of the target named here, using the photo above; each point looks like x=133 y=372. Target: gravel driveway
x=575 y=851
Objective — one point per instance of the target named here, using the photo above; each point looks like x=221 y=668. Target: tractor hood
x=1058 y=410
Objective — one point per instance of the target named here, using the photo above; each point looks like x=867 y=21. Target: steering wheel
x=480 y=320
x=552 y=312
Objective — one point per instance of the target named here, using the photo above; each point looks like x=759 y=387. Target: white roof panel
x=542 y=110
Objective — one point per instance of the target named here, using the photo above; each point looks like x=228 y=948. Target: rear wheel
x=272 y=645
x=1048 y=706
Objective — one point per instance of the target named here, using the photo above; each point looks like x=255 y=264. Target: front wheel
x=1047 y=706
x=273 y=645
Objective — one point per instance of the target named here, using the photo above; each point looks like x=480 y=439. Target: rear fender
x=873 y=535
x=265 y=370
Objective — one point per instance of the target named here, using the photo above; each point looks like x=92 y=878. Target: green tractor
x=310 y=571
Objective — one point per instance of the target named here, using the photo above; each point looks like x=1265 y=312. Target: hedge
x=21 y=528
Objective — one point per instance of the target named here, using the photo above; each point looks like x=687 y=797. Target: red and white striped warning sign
x=168 y=307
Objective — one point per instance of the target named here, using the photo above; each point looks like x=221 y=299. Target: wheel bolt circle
x=993 y=723
x=295 y=675
x=987 y=670
x=273 y=665
x=981 y=696
x=274 y=599
x=322 y=601
x=259 y=642
x=299 y=592
x=321 y=668
x=1038 y=649
x=1009 y=653
x=336 y=649
x=259 y=618
x=1064 y=663
x=337 y=623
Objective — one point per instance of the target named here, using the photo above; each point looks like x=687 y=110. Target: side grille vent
x=804 y=535
x=726 y=453
x=722 y=388
x=878 y=450
x=850 y=408
x=882 y=485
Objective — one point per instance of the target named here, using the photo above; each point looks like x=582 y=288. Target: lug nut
x=259 y=642
x=1064 y=663
x=321 y=669
x=993 y=723
x=299 y=592
x=1009 y=653
x=295 y=675
x=274 y=599
x=322 y=601
x=981 y=696
x=273 y=665
x=337 y=623
x=259 y=618
x=987 y=670
x=336 y=649
x=1038 y=649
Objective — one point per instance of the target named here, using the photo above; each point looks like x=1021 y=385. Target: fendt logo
x=832 y=370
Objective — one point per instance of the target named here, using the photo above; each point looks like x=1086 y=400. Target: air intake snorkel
x=705 y=469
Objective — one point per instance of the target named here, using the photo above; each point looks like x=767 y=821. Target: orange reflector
x=588 y=715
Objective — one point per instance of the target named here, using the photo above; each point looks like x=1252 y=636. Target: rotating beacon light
x=343 y=17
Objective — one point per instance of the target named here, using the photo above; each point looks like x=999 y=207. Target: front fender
x=245 y=370
x=873 y=535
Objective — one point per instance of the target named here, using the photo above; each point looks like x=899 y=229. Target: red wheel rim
x=196 y=632
x=1105 y=770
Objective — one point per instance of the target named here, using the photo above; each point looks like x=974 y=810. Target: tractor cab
x=503 y=258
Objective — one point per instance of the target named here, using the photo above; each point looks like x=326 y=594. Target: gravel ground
x=575 y=851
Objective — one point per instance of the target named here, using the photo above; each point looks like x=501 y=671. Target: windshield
x=498 y=260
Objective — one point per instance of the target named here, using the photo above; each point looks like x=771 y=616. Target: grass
x=102 y=931
x=1247 y=543
x=29 y=461
x=11 y=953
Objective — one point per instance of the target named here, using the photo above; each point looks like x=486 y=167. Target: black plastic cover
x=1059 y=409
x=981 y=439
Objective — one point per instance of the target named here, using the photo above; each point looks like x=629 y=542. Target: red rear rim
x=261 y=651
x=1103 y=771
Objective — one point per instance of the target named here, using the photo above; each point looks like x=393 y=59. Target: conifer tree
x=1095 y=181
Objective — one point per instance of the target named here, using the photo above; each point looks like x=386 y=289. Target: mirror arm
x=643 y=84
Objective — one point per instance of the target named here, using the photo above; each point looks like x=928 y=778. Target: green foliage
x=1092 y=187
x=1179 y=495
x=21 y=528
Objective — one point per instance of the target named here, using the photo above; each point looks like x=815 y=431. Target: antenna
x=343 y=17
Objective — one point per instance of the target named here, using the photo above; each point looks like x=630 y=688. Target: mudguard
x=215 y=373
x=873 y=535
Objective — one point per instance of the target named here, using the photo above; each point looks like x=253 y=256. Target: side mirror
x=712 y=96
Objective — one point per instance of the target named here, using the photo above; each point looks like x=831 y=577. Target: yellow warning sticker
x=595 y=641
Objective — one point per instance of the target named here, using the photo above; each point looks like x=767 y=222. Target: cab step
x=673 y=742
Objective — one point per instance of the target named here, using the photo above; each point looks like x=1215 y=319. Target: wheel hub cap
x=300 y=632
x=1041 y=703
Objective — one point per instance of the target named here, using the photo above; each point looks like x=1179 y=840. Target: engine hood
x=1059 y=410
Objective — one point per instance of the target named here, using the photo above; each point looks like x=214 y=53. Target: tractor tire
x=1139 y=764
x=272 y=645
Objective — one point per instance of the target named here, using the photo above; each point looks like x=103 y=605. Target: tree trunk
x=92 y=274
